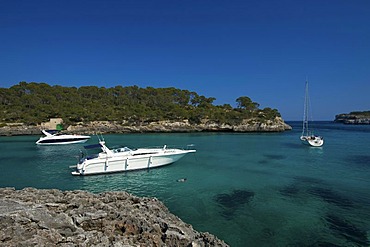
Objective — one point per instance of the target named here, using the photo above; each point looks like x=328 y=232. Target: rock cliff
x=276 y=125
x=32 y=217
x=352 y=119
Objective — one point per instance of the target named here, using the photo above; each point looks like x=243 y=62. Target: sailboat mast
x=305 y=111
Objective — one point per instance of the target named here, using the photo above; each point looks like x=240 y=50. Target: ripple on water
x=308 y=180
x=347 y=230
x=331 y=197
x=271 y=157
x=300 y=184
x=317 y=188
x=358 y=161
x=275 y=156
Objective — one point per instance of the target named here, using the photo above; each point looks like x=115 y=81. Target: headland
x=353 y=118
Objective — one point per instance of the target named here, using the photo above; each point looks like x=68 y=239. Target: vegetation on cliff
x=361 y=113
x=355 y=117
x=33 y=103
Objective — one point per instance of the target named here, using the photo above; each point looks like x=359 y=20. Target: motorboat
x=308 y=137
x=126 y=159
x=55 y=138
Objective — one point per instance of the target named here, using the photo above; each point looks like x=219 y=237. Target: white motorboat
x=308 y=137
x=126 y=159
x=54 y=138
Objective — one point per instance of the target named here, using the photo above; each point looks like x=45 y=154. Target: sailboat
x=308 y=137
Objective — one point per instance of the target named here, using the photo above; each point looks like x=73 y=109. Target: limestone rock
x=104 y=127
x=32 y=217
x=352 y=119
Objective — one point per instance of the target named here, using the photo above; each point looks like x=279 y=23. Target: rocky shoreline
x=104 y=127
x=50 y=217
x=352 y=119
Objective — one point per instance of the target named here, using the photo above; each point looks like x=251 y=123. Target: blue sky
x=224 y=49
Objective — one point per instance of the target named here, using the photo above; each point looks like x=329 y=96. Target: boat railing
x=181 y=147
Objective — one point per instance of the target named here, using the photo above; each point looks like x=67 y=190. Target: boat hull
x=53 y=138
x=103 y=165
x=60 y=142
x=313 y=141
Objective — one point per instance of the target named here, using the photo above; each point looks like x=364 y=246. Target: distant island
x=26 y=106
x=356 y=117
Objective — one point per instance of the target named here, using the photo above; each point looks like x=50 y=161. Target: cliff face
x=32 y=217
x=276 y=125
x=352 y=119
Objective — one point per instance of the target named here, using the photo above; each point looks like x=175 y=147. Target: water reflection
x=150 y=182
x=58 y=155
x=316 y=150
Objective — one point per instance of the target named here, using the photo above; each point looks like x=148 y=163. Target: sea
x=248 y=189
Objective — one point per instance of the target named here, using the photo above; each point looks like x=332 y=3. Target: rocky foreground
x=104 y=127
x=32 y=217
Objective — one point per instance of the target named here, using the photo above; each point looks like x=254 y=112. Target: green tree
x=246 y=103
x=37 y=102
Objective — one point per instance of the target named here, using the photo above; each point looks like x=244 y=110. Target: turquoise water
x=263 y=189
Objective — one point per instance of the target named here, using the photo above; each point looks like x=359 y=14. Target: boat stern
x=317 y=142
x=80 y=167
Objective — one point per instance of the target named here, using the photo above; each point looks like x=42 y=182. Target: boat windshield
x=85 y=155
x=119 y=150
x=90 y=152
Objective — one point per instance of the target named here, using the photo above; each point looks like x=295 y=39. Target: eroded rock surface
x=33 y=217
x=104 y=127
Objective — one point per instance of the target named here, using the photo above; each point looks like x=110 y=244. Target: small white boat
x=53 y=138
x=126 y=159
x=308 y=137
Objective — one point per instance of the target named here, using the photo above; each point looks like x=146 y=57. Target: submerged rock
x=341 y=227
x=32 y=217
x=231 y=202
